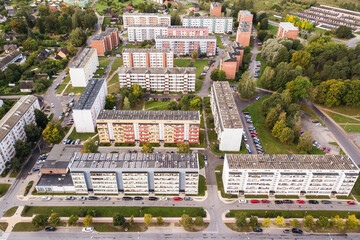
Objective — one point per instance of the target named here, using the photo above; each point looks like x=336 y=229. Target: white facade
x=82 y=69
x=12 y=126
x=289 y=174
x=140 y=33
x=143 y=58
x=227 y=120
x=146 y=19
x=215 y=24
x=88 y=107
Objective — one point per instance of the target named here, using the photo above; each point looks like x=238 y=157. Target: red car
x=323 y=148
x=255 y=201
x=178 y=199
x=300 y=201
x=351 y=202
x=254 y=133
x=265 y=201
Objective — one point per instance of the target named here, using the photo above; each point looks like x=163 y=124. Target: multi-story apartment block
x=243 y=33
x=187 y=31
x=79 y=3
x=140 y=33
x=227 y=120
x=289 y=174
x=245 y=16
x=148 y=58
x=123 y=126
x=89 y=105
x=159 y=1
x=10 y=58
x=83 y=67
x=12 y=126
x=231 y=59
x=130 y=173
x=215 y=9
x=159 y=79
x=106 y=41
x=146 y=19
x=215 y=24
x=287 y=30
x=187 y=45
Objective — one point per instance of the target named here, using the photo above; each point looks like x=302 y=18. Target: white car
x=242 y=201
x=88 y=229
x=164 y=198
x=46 y=198
x=247 y=146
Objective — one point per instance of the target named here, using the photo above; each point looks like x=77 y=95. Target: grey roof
x=145 y=14
x=147 y=26
x=103 y=34
x=59 y=156
x=288 y=26
x=14 y=114
x=216 y=4
x=228 y=18
x=10 y=47
x=8 y=58
x=245 y=13
x=339 y=10
x=80 y=61
x=175 y=70
x=113 y=161
x=26 y=84
x=90 y=93
x=186 y=37
x=57 y=180
x=148 y=115
x=282 y=161
x=231 y=52
x=140 y=50
x=187 y=27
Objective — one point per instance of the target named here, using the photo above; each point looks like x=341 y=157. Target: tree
x=54 y=220
x=323 y=222
x=271 y=118
x=183 y=148
x=199 y=221
x=110 y=102
x=279 y=221
x=352 y=221
x=186 y=221
x=40 y=220
x=267 y=77
x=18 y=25
x=77 y=37
x=241 y=219
x=53 y=133
x=90 y=145
x=172 y=105
x=73 y=220
x=278 y=128
x=287 y=136
x=159 y=220
x=246 y=86
x=91 y=212
x=87 y=221
x=22 y=149
x=194 y=55
x=295 y=223
x=15 y=164
x=344 y=32
x=148 y=219
x=33 y=133
x=266 y=222
x=337 y=222
x=305 y=142
x=126 y=103
x=118 y=220
x=301 y=58
x=214 y=74
x=264 y=24
x=131 y=221
x=147 y=148
x=299 y=88
x=253 y=222
x=308 y=221
x=195 y=103
x=221 y=75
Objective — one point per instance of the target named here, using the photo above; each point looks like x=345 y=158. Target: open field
x=351 y=128
x=341 y=119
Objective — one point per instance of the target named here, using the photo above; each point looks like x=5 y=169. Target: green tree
x=199 y=221
x=344 y=32
x=246 y=86
x=54 y=220
x=148 y=219
x=267 y=77
x=15 y=164
x=241 y=219
x=295 y=223
x=87 y=221
x=352 y=221
x=147 y=148
x=126 y=104
x=195 y=103
x=214 y=75
x=131 y=221
x=110 y=102
x=323 y=222
x=266 y=222
x=221 y=75
x=194 y=55
x=172 y=105
x=287 y=136
x=305 y=142
x=278 y=128
x=271 y=118
x=73 y=220
x=53 y=133
x=22 y=149
x=186 y=221
x=183 y=148
x=18 y=25
x=301 y=58
x=118 y=220
x=30 y=45
x=159 y=220
x=264 y=24
x=308 y=221
x=77 y=37
x=90 y=145
x=40 y=220
x=279 y=221
x=337 y=222
x=33 y=133
x=253 y=222
x=299 y=88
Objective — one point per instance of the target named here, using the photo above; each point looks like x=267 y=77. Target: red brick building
x=287 y=30
x=231 y=60
x=106 y=41
x=243 y=33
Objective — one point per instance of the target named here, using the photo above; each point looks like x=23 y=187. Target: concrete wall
x=230 y=139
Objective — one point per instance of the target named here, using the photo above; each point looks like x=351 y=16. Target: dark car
x=153 y=198
x=326 y=202
x=257 y=230
x=246 y=113
x=50 y=229
x=288 y=201
x=127 y=198
x=297 y=230
x=93 y=198
x=278 y=202
x=222 y=157
x=313 y=202
x=138 y=198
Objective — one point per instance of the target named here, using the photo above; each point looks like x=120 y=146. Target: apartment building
x=187 y=31
x=320 y=175
x=10 y=58
x=106 y=41
x=83 y=67
x=243 y=33
x=227 y=120
x=215 y=24
x=12 y=126
x=178 y=79
x=146 y=19
x=215 y=9
x=187 y=45
x=134 y=173
x=79 y=3
x=123 y=126
x=89 y=105
x=158 y=1
x=245 y=16
x=231 y=59
x=148 y=58
x=140 y=33
x=287 y=30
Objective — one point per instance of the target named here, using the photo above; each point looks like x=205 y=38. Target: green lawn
x=76 y=90
x=201 y=160
x=182 y=62
x=104 y=62
x=113 y=84
x=341 y=119
x=273 y=29
x=199 y=64
x=3 y=226
x=26 y=227
x=82 y=136
x=106 y=20
x=125 y=211
x=218 y=42
x=4 y=188
x=202 y=185
x=347 y=110
x=10 y=212
x=118 y=62
x=159 y=105
x=351 y=128
x=212 y=135
x=62 y=85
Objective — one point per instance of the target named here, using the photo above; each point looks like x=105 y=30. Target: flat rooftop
x=187 y=27
x=186 y=37
x=104 y=34
x=8 y=58
x=57 y=180
x=83 y=58
x=14 y=114
x=245 y=13
x=175 y=70
x=148 y=115
x=283 y=161
x=216 y=4
x=145 y=15
x=228 y=18
x=113 y=161
x=147 y=26
x=90 y=93
x=146 y=50
x=226 y=106
x=288 y=26
x=59 y=156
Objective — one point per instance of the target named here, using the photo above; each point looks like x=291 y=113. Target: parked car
x=297 y=230
x=127 y=198
x=35 y=169
x=242 y=201
x=153 y=198
x=258 y=98
x=105 y=198
x=287 y=201
x=50 y=229
x=313 y=202
x=257 y=230
x=265 y=201
x=286 y=231
x=88 y=229
x=69 y=198
x=255 y=201
x=178 y=199
x=46 y=198
x=300 y=201
x=188 y=199
x=93 y=198
x=82 y=198
x=325 y=202
x=351 y=202
x=138 y=198
x=278 y=202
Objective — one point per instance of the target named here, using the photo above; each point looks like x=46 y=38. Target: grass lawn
x=10 y=212
x=215 y=150
x=256 y=196
x=109 y=227
x=106 y=20
x=235 y=228
x=14 y=174
x=273 y=29
x=201 y=160
x=347 y=110
x=76 y=90
x=286 y=196
x=82 y=136
x=104 y=62
x=351 y=128
x=202 y=143
x=316 y=197
x=118 y=62
x=4 y=188
x=113 y=84
x=159 y=105
x=182 y=62
x=3 y=226
x=341 y=119
x=218 y=42
x=26 y=227
x=200 y=64
x=125 y=211
x=212 y=135
x=62 y=85
x=202 y=185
